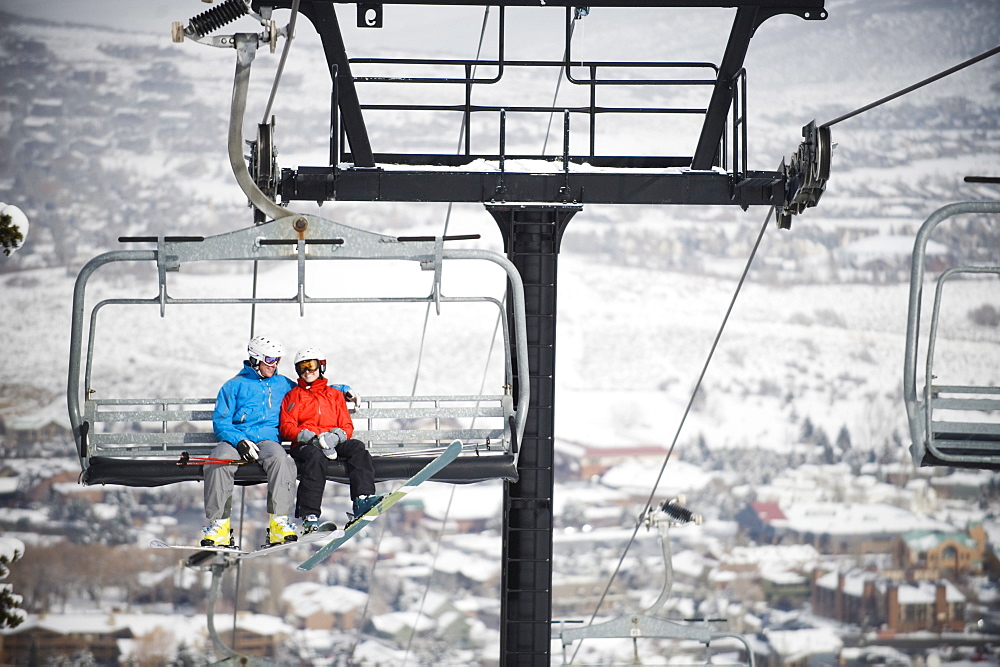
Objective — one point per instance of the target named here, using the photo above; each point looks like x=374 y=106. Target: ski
x=308 y=538
x=159 y=544
x=425 y=473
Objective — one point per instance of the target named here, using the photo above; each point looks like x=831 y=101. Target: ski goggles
x=271 y=361
x=307 y=366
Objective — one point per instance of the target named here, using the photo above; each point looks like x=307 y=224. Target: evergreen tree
x=357 y=577
x=10 y=235
x=823 y=442
x=829 y=455
x=703 y=447
x=843 y=439
x=11 y=614
x=806 y=434
x=119 y=530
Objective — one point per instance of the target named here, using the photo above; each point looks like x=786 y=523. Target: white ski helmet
x=311 y=352
x=264 y=349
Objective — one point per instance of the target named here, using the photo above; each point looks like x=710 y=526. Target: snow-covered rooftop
x=855 y=519
x=772 y=560
x=794 y=645
x=306 y=598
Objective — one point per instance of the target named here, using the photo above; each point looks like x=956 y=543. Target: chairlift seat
x=135 y=445
x=161 y=472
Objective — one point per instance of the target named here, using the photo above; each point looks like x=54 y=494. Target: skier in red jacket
x=314 y=417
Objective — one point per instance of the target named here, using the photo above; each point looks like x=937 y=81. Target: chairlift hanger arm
x=245 y=45
x=345 y=96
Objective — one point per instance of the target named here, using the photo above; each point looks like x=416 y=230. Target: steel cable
x=680 y=426
x=413 y=392
x=910 y=89
x=281 y=61
x=852 y=114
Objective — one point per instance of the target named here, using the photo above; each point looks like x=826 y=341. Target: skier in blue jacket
x=246 y=423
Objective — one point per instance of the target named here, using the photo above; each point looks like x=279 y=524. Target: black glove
x=352 y=396
x=249 y=451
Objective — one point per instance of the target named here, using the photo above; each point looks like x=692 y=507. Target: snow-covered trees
x=13 y=228
x=11 y=614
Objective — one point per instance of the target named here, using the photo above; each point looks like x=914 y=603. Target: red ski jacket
x=317 y=407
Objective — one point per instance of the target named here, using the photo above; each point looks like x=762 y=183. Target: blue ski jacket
x=248 y=406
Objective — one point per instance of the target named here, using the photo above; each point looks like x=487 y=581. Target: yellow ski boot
x=280 y=530
x=217 y=534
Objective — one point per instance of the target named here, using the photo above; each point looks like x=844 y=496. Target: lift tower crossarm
x=705 y=176
x=785 y=6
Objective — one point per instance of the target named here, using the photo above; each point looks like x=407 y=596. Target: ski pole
x=187 y=459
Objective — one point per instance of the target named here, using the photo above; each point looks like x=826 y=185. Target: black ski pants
x=311 y=464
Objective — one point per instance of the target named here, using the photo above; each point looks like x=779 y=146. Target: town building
x=938 y=553
x=873 y=601
x=118 y=638
x=833 y=528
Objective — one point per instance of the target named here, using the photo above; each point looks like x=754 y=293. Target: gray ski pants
x=278 y=465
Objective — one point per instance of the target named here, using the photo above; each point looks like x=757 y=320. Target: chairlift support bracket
x=217 y=564
x=806 y=174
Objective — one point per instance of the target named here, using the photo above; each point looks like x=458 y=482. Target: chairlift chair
x=140 y=441
x=648 y=624
x=950 y=424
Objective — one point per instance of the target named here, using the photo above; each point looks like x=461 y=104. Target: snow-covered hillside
x=140 y=147
x=632 y=342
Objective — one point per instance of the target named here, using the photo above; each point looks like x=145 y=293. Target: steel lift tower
x=533 y=206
